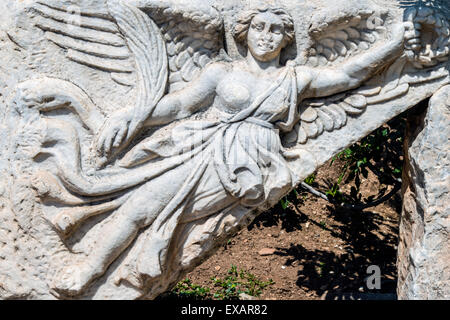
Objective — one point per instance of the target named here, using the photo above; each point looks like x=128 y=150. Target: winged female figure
x=216 y=148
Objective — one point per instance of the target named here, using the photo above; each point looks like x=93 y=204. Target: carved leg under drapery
x=139 y=211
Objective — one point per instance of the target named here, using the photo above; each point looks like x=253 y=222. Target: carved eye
x=277 y=30
x=258 y=27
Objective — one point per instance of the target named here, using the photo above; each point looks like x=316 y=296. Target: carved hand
x=398 y=33
x=412 y=37
x=115 y=132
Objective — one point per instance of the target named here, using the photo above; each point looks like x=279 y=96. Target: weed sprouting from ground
x=235 y=283
x=187 y=289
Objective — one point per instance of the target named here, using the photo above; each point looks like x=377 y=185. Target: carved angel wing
x=136 y=50
x=92 y=39
x=194 y=37
x=352 y=35
x=123 y=41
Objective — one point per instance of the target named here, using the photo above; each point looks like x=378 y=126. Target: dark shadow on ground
x=291 y=219
x=344 y=276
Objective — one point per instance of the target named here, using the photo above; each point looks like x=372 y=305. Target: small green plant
x=187 y=289
x=287 y=200
x=310 y=179
x=284 y=203
x=334 y=191
x=321 y=268
x=237 y=282
x=379 y=152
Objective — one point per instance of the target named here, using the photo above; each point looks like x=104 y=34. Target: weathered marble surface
x=137 y=136
x=424 y=250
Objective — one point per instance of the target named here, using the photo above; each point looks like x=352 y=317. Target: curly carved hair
x=242 y=25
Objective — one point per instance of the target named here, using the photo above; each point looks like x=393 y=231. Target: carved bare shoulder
x=215 y=71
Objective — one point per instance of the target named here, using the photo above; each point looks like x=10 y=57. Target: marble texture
x=424 y=250
x=137 y=136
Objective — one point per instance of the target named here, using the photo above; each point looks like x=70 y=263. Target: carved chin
x=264 y=56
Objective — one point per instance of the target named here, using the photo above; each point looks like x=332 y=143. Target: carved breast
x=234 y=96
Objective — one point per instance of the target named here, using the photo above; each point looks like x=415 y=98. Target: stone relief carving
x=170 y=130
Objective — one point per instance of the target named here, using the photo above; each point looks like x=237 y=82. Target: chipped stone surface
x=137 y=136
x=424 y=250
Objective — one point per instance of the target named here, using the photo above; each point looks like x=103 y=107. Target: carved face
x=266 y=36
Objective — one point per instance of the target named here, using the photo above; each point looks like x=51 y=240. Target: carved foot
x=72 y=280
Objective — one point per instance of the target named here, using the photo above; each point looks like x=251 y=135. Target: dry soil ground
x=320 y=251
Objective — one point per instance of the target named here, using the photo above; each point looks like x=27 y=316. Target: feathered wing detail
x=329 y=114
x=332 y=113
x=91 y=39
x=146 y=43
x=122 y=40
x=194 y=37
x=350 y=34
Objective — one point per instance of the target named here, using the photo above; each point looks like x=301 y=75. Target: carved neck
x=258 y=66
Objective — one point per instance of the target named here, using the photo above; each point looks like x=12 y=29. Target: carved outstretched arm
x=174 y=106
x=183 y=103
x=329 y=81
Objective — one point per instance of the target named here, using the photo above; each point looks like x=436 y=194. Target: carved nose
x=267 y=36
